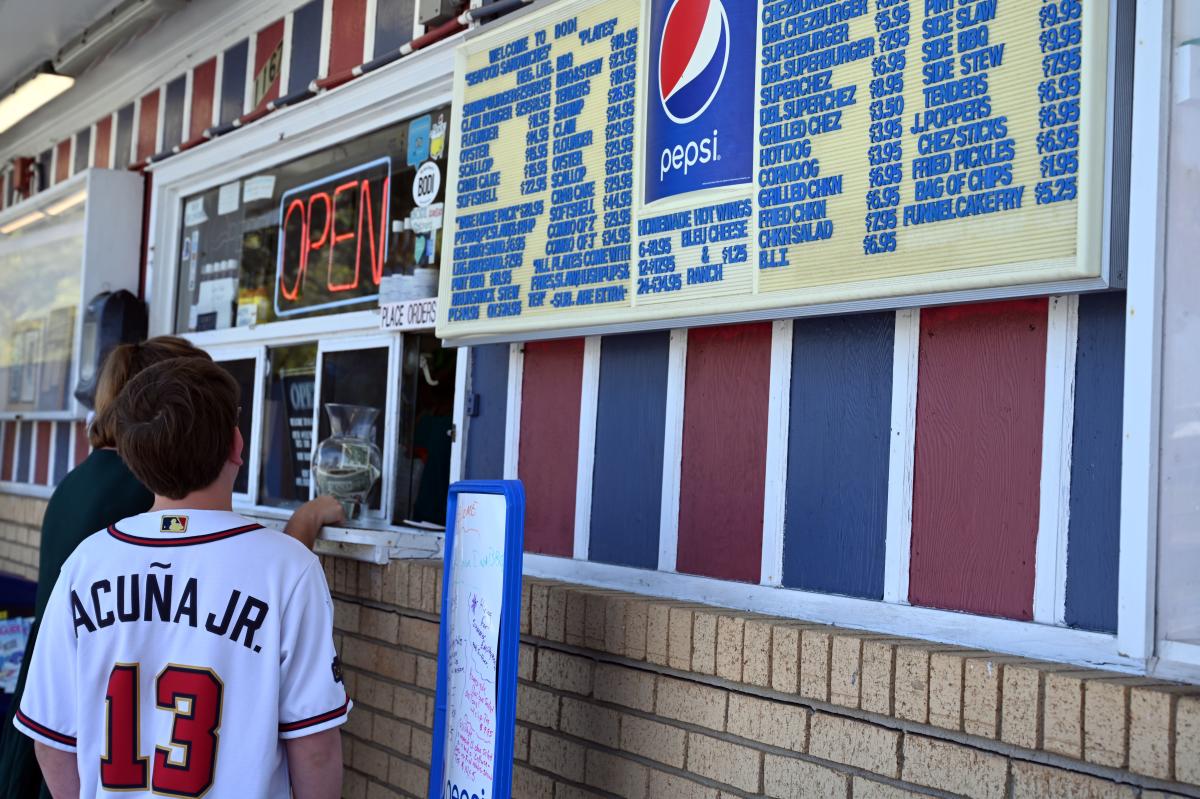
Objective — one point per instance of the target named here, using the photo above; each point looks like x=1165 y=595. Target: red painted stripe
x=683 y=28
x=42 y=729
x=10 y=448
x=147 y=126
x=549 y=450
x=83 y=447
x=292 y=726
x=204 y=79
x=349 y=20
x=62 y=167
x=977 y=470
x=41 y=470
x=207 y=538
x=724 y=451
x=103 y=142
x=269 y=39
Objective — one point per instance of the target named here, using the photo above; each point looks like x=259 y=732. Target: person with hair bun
x=98 y=492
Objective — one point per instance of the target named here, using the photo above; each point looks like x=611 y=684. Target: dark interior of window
x=243 y=372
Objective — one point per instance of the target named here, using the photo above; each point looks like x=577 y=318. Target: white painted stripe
x=905 y=352
x=1049 y=586
x=458 y=447
x=512 y=425
x=372 y=11
x=185 y=124
x=775 y=486
x=285 y=66
x=668 y=529
x=326 y=39
x=588 y=402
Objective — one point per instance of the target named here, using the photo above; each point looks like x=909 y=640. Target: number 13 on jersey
x=185 y=766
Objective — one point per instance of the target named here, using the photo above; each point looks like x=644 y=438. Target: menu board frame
x=503 y=580
x=1098 y=264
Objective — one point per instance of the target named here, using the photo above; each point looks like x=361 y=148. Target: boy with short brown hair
x=187 y=650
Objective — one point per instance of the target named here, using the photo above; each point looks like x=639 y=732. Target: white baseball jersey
x=177 y=651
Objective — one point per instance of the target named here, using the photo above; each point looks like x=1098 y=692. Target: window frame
x=253 y=450
x=391 y=95
x=392 y=344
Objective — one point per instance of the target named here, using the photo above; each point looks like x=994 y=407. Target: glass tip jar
x=349 y=462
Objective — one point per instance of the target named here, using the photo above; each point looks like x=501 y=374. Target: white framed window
x=300 y=336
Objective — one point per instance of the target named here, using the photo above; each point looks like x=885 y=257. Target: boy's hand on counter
x=309 y=518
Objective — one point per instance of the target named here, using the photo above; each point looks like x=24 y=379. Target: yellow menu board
x=620 y=164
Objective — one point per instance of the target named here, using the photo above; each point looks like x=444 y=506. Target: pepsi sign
x=699 y=103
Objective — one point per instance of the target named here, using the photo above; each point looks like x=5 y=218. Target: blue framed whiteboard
x=478 y=646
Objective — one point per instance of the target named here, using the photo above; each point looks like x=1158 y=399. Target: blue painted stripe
x=46 y=168
x=62 y=452
x=838 y=442
x=306 y=46
x=124 y=137
x=394 y=21
x=485 y=428
x=628 y=467
x=1093 y=535
x=173 y=112
x=25 y=454
x=83 y=143
x=233 y=81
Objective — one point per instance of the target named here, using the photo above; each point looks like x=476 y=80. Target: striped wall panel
x=204 y=85
x=83 y=146
x=147 y=136
x=62 y=452
x=486 y=428
x=41 y=467
x=348 y=27
x=62 y=162
x=1093 y=538
x=837 y=479
x=233 y=82
x=977 y=463
x=82 y=446
x=549 y=447
x=124 y=134
x=628 y=465
x=723 y=468
x=304 y=65
x=8 y=464
x=174 y=99
x=104 y=133
x=268 y=60
x=394 y=22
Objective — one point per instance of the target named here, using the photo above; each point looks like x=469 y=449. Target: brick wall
x=20 y=534
x=628 y=696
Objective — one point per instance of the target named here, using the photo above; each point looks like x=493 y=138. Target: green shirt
x=99 y=492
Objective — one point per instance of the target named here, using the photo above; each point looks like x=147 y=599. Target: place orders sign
x=637 y=164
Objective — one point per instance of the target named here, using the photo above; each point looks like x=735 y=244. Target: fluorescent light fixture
x=67 y=203
x=21 y=222
x=31 y=94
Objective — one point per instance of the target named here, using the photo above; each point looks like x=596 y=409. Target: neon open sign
x=333 y=239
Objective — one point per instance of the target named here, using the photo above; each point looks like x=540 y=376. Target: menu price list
x=701 y=251
x=552 y=218
x=943 y=143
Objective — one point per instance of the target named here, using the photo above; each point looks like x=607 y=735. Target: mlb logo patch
x=174 y=524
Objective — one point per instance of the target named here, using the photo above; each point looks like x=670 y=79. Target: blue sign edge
x=508 y=652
